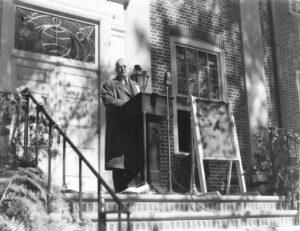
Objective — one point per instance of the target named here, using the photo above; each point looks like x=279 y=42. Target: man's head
x=121 y=69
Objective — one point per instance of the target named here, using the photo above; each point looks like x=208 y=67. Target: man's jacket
x=121 y=132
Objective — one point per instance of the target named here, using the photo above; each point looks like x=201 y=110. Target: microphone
x=167 y=79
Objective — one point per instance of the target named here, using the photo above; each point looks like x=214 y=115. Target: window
x=197 y=68
x=295 y=6
x=54 y=35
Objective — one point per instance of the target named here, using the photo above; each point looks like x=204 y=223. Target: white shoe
x=145 y=188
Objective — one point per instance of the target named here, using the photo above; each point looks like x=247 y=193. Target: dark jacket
x=121 y=133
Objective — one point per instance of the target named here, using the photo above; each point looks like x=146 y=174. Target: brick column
x=254 y=67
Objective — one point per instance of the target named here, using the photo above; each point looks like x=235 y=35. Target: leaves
x=24 y=195
x=13 y=224
x=23 y=190
x=276 y=157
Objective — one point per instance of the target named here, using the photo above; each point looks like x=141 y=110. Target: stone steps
x=186 y=212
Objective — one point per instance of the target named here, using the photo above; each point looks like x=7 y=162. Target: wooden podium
x=148 y=110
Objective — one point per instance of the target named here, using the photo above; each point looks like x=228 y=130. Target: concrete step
x=266 y=220
x=270 y=228
x=204 y=215
x=185 y=203
x=187 y=212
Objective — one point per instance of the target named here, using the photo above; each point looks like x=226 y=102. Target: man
x=121 y=152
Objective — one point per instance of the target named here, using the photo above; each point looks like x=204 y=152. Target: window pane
x=212 y=61
x=203 y=74
x=202 y=68
x=191 y=56
x=180 y=53
x=182 y=86
x=214 y=93
x=202 y=58
x=192 y=73
x=53 y=35
x=184 y=130
x=213 y=77
x=195 y=89
x=203 y=90
x=181 y=69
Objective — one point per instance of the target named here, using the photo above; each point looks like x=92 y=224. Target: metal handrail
x=52 y=124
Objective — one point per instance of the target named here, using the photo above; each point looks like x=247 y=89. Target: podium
x=149 y=111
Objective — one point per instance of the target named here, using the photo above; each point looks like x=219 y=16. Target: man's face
x=121 y=68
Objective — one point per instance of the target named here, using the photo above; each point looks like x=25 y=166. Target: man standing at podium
x=121 y=152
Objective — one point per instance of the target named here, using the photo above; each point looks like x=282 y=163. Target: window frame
x=197 y=44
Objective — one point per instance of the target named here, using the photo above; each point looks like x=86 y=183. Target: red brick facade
x=280 y=39
x=286 y=32
x=221 y=18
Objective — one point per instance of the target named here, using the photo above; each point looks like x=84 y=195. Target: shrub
x=276 y=158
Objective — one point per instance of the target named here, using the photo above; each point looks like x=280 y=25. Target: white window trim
x=174 y=40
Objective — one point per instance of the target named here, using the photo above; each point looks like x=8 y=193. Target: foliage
x=13 y=108
x=276 y=158
x=24 y=198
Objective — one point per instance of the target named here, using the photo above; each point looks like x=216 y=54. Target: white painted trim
x=82 y=12
x=222 y=76
x=59 y=61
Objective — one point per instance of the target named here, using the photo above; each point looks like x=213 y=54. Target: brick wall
x=286 y=27
x=221 y=18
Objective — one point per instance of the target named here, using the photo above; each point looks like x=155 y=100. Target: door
x=56 y=56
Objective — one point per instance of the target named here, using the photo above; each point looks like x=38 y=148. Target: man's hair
x=120 y=60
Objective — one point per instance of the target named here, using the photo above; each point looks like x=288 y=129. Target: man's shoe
x=143 y=189
x=136 y=182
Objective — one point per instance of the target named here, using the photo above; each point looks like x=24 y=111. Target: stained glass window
x=53 y=35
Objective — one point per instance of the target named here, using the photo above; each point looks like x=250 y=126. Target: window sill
x=182 y=154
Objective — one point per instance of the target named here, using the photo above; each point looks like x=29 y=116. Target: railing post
x=49 y=164
x=119 y=218
x=101 y=213
x=286 y=135
x=26 y=126
x=80 y=188
x=64 y=185
x=272 y=157
x=37 y=135
x=128 y=221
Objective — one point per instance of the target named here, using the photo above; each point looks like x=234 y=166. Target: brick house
x=246 y=50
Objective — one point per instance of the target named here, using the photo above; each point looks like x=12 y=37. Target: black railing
x=52 y=125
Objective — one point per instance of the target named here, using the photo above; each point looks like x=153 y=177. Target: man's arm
x=109 y=100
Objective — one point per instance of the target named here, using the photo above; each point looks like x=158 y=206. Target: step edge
x=197 y=215
x=86 y=197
